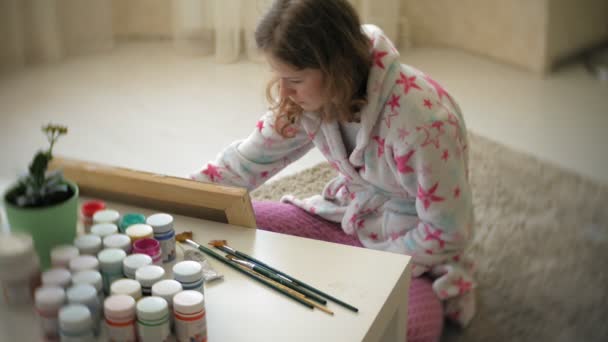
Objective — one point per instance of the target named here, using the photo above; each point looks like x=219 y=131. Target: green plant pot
x=49 y=226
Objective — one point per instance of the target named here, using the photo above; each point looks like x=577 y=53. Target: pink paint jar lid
x=146 y=246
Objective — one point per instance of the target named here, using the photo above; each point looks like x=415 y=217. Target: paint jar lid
x=88 y=244
x=132 y=262
x=130 y=219
x=75 y=318
x=127 y=287
x=110 y=259
x=139 y=231
x=62 y=254
x=89 y=208
x=146 y=246
x=82 y=294
x=149 y=275
x=188 y=302
x=161 y=222
x=167 y=289
x=106 y=215
x=152 y=309
x=104 y=229
x=121 y=241
x=89 y=277
x=57 y=277
x=49 y=298
x=187 y=271
x=119 y=307
x=84 y=262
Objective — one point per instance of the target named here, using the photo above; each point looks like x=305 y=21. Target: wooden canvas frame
x=160 y=192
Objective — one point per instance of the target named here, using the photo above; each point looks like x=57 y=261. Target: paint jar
x=147 y=276
x=134 y=261
x=83 y=263
x=88 y=209
x=106 y=216
x=88 y=244
x=139 y=231
x=75 y=324
x=153 y=319
x=120 y=241
x=190 y=275
x=57 y=277
x=127 y=287
x=92 y=278
x=104 y=229
x=149 y=247
x=62 y=254
x=48 y=301
x=86 y=295
x=119 y=313
x=19 y=268
x=167 y=289
x=130 y=219
x=190 y=316
x=110 y=263
x=162 y=224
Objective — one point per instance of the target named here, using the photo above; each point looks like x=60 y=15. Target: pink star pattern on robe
x=373 y=236
x=260 y=125
x=463 y=286
x=408 y=82
x=433 y=235
x=431 y=135
x=428 y=196
x=457 y=192
x=387 y=119
x=212 y=172
x=403 y=133
x=264 y=174
x=428 y=104
x=378 y=55
x=268 y=142
x=445 y=155
x=311 y=136
x=402 y=162
x=394 y=102
x=380 y=142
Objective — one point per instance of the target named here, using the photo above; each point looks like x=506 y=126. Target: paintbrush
x=223 y=246
x=247 y=266
x=185 y=238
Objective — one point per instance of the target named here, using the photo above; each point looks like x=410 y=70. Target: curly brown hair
x=317 y=34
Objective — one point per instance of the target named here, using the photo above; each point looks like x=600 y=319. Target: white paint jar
x=190 y=274
x=48 y=301
x=104 y=229
x=147 y=276
x=162 y=224
x=131 y=263
x=121 y=241
x=110 y=264
x=167 y=289
x=76 y=324
x=92 y=278
x=190 y=316
x=106 y=216
x=19 y=268
x=119 y=311
x=127 y=287
x=59 y=277
x=83 y=263
x=153 y=319
x=62 y=254
x=88 y=244
x=87 y=295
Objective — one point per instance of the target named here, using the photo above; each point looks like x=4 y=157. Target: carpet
x=541 y=246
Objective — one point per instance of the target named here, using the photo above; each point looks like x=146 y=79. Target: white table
x=241 y=309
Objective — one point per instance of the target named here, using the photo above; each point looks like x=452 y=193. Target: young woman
x=396 y=137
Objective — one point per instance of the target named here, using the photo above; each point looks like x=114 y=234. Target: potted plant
x=42 y=203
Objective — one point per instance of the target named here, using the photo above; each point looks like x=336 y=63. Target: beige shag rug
x=541 y=246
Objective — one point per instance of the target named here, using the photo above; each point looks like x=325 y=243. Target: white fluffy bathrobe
x=403 y=189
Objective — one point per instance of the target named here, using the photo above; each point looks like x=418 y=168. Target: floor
x=144 y=106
